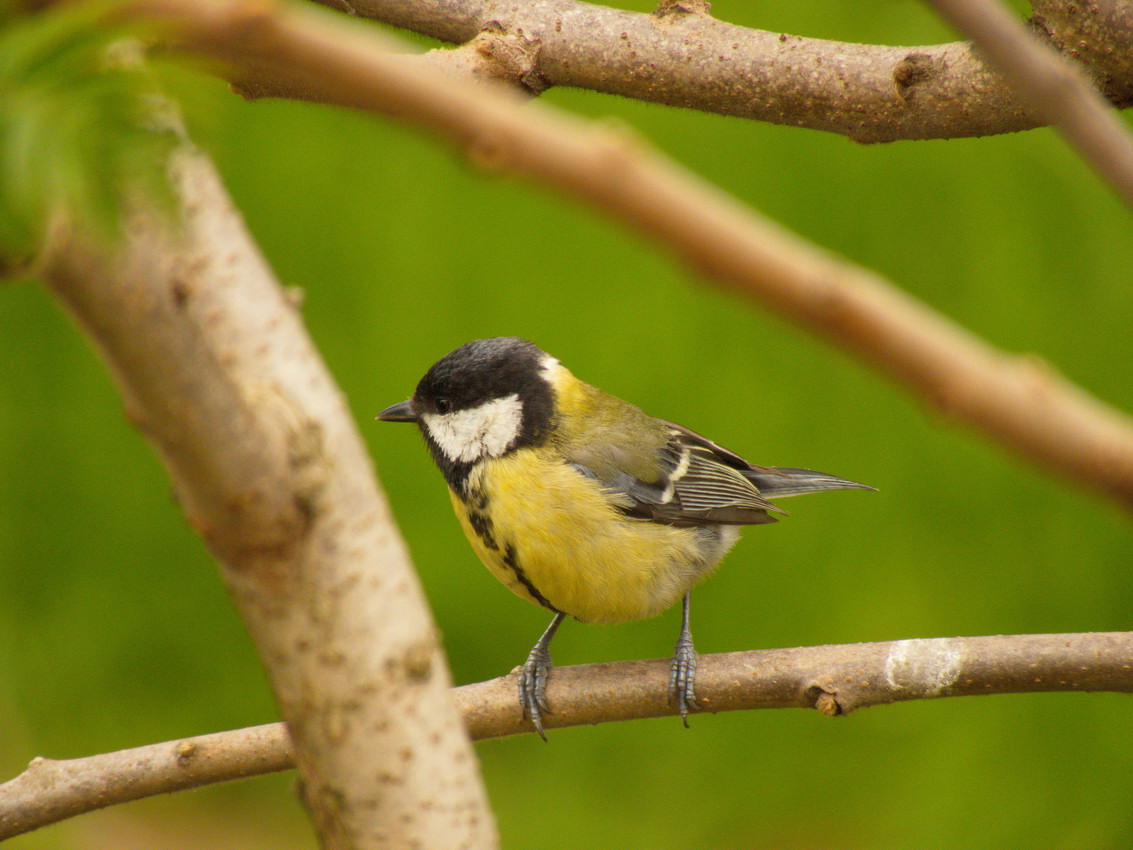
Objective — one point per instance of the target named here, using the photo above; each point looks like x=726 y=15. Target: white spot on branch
x=924 y=666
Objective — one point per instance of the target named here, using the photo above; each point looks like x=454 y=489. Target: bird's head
x=485 y=399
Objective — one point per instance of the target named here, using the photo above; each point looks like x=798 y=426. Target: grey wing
x=700 y=482
x=695 y=486
x=779 y=481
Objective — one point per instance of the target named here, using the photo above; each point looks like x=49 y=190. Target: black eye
x=442 y=404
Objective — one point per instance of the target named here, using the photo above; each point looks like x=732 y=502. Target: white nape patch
x=551 y=369
x=468 y=435
x=924 y=666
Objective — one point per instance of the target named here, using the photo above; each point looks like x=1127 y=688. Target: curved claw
x=682 y=677
x=533 y=687
x=533 y=677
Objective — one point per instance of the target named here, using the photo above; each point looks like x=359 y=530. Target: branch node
x=913 y=69
x=826 y=702
x=185 y=751
x=1036 y=373
x=681 y=8
x=616 y=147
x=508 y=56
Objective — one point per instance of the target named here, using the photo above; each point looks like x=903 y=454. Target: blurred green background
x=115 y=630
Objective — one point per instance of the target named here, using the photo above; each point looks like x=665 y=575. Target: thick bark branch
x=1098 y=35
x=1056 y=87
x=832 y=679
x=871 y=93
x=218 y=372
x=1016 y=400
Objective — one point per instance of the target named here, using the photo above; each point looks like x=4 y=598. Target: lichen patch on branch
x=924 y=667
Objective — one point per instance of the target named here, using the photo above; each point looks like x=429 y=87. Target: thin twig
x=681 y=56
x=835 y=680
x=1018 y=401
x=50 y=790
x=1057 y=88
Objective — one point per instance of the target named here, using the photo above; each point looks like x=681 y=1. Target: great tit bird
x=582 y=503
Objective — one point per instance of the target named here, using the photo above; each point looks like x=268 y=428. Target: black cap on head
x=480 y=371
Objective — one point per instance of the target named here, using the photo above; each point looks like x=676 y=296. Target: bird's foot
x=533 y=687
x=682 y=677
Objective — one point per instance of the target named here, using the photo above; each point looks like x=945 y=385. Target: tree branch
x=1057 y=88
x=835 y=680
x=50 y=791
x=871 y=93
x=217 y=371
x=1016 y=400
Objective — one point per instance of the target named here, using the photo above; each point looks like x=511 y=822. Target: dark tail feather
x=778 y=481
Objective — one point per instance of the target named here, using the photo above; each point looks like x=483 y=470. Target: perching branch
x=218 y=373
x=1057 y=88
x=50 y=790
x=1017 y=401
x=834 y=680
x=680 y=56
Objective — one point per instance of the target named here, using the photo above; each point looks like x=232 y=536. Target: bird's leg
x=533 y=677
x=683 y=671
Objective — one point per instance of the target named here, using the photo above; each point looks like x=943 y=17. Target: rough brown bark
x=1058 y=89
x=681 y=56
x=835 y=680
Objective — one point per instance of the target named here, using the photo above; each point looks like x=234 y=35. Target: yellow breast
x=551 y=536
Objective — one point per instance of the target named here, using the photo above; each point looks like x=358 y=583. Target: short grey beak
x=400 y=412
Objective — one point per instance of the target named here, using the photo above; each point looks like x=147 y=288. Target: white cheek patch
x=468 y=435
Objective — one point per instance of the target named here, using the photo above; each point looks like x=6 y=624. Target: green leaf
x=81 y=126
